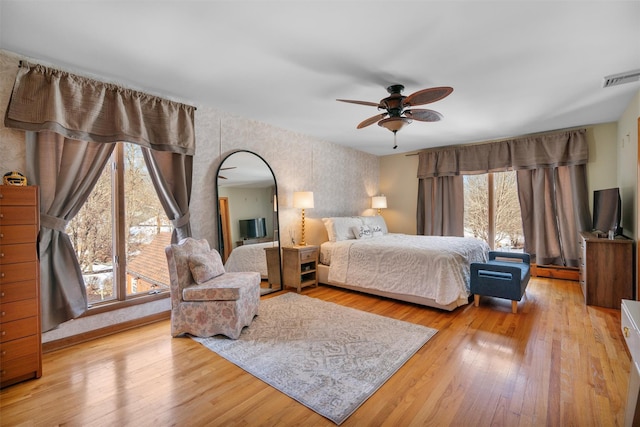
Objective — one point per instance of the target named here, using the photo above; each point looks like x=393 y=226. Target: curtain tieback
x=53 y=223
x=182 y=221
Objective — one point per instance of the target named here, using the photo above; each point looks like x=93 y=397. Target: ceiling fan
x=224 y=169
x=398 y=114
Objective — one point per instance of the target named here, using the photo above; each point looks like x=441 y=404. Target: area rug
x=326 y=356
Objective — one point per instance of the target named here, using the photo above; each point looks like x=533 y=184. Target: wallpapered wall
x=342 y=179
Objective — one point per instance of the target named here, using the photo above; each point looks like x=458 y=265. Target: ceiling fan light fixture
x=394 y=124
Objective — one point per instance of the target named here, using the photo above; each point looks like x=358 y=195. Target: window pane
x=90 y=232
x=476 y=207
x=149 y=229
x=509 y=235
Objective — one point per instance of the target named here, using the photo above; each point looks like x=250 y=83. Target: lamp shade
x=379 y=202
x=303 y=199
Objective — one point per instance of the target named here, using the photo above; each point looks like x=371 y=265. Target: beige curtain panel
x=544 y=151
x=88 y=110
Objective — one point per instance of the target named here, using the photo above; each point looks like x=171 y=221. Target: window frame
x=119 y=243
x=491 y=208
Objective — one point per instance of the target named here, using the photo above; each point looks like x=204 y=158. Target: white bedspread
x=426 y=266
x=249 y=258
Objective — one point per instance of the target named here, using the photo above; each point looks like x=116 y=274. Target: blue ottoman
x=505 y=275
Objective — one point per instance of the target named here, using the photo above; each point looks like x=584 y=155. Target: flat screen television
x=607 y=210
x=253 y=228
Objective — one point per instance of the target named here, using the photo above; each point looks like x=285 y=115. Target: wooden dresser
x=606 y=270
x=20 y=340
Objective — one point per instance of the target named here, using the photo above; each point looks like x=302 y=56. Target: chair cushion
x=205 y=266
x=226 y=287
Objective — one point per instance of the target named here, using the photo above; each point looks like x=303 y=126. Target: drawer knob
x=626 y=331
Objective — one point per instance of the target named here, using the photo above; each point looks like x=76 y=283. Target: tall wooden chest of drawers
x=20 y=340
x=606 y=270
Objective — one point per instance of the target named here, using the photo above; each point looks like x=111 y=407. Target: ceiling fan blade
x=371 y=104
x=423 y=115
x=427 y=96
x=372 y=120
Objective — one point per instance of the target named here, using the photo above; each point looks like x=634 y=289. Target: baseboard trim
x=555 y=272
x=51 y=346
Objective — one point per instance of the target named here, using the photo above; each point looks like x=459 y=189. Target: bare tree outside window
x=505 y=210
x=147 y=231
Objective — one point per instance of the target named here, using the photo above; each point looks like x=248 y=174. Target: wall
x=399 y=182
x=627 y=147
x=299 y=162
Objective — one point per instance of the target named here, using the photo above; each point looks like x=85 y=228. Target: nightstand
x=299 y=266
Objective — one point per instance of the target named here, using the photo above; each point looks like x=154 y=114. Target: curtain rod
x=549 y=132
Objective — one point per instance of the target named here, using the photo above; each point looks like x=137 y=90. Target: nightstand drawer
x=308 y=255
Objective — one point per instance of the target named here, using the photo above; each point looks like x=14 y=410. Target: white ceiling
x=517 y=67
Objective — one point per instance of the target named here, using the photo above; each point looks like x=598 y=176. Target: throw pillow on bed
x=205 y=266
x=376 y=230
x=362 y=232
x=376 y=221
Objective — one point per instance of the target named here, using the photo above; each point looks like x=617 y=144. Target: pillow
x=376 y=230
x=362 y=232
x=205 y=266
x=376 y=223
x=341 y=228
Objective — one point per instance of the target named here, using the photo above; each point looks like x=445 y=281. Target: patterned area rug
x=326 y=356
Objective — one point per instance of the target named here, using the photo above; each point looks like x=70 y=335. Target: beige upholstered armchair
x=206 y=301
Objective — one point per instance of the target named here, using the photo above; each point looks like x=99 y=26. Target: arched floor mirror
x=248 y=228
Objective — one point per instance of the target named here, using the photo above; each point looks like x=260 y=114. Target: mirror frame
x=276 y=229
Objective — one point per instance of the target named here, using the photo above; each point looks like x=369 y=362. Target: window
x=492 y=210
x=120 y=233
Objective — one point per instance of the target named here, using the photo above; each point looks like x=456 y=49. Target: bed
x=358 y=253
x=249 y=258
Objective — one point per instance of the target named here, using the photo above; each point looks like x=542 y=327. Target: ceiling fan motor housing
x=394 y=102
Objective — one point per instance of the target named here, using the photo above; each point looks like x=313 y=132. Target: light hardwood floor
x=556 y=363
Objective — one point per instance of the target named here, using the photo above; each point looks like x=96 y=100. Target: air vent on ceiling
x=622 y=78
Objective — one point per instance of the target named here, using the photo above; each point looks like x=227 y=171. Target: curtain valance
x=544 y=151
x=88 y=110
